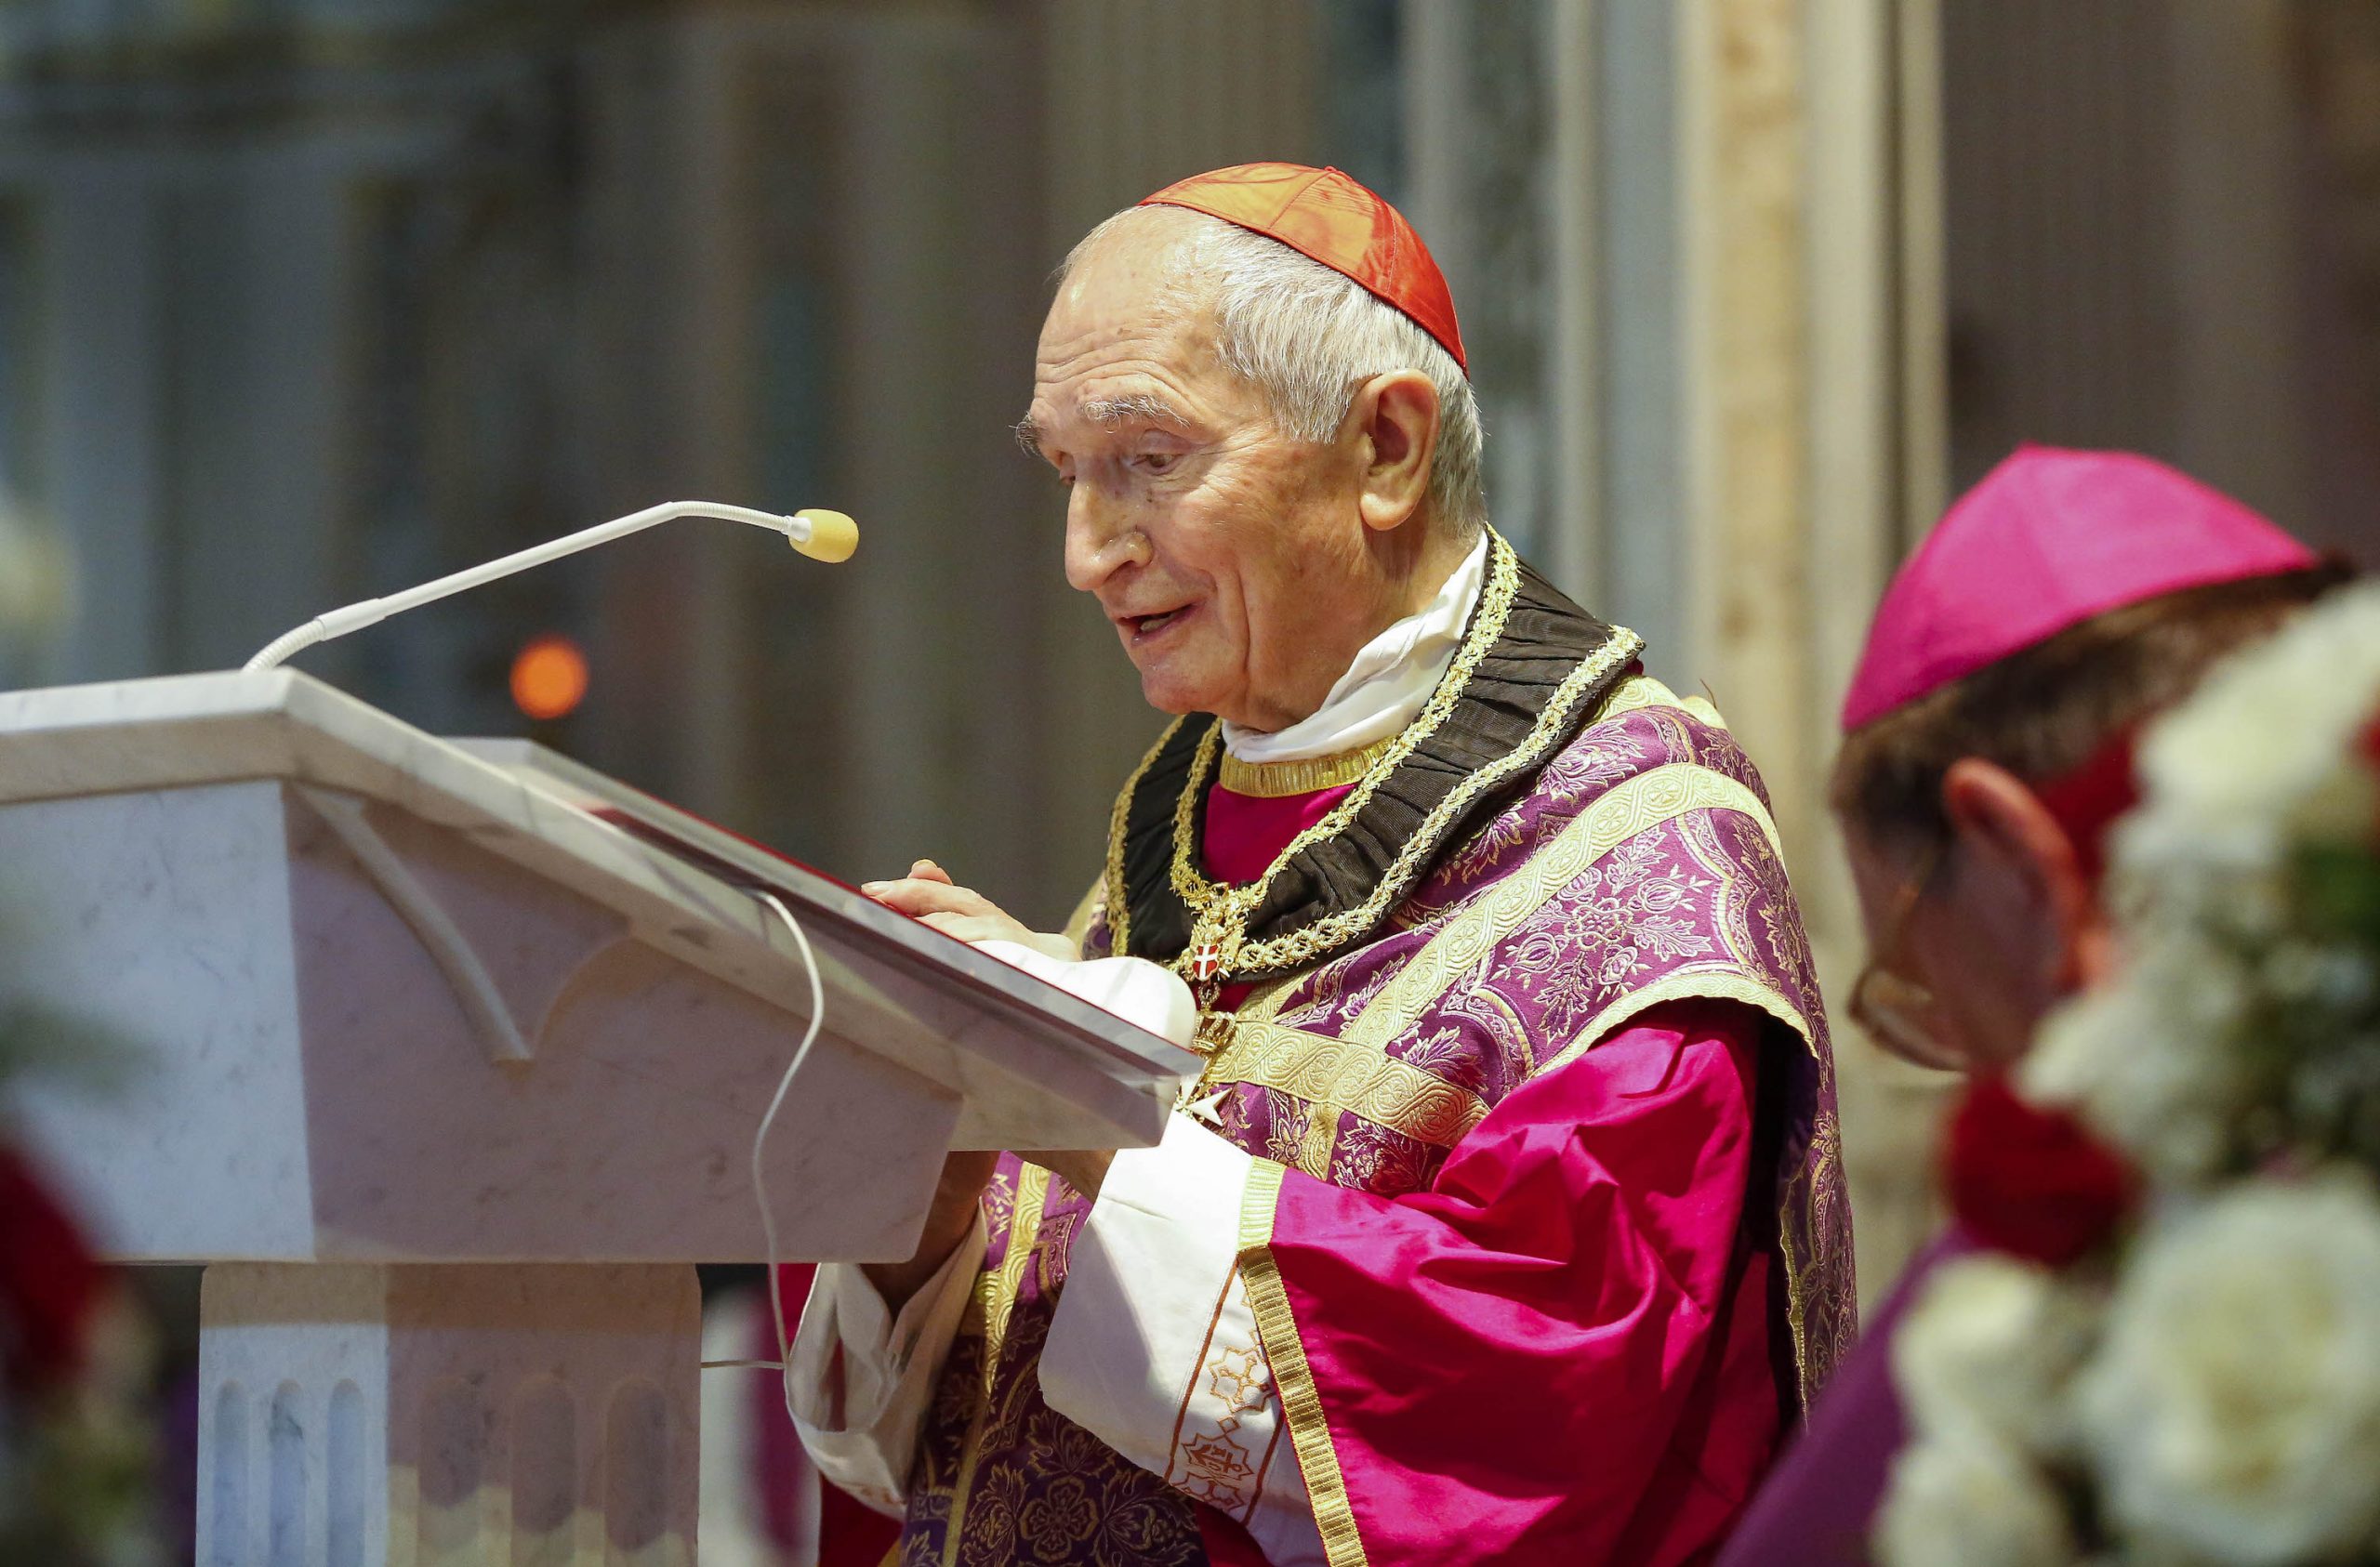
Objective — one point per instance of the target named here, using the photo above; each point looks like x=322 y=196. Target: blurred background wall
x=302 y=300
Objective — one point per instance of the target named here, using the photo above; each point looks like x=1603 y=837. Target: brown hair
x=2044 y=710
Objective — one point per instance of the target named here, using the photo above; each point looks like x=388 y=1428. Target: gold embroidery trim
x=1120 y=906
x=1690 y=983
x=1024 y=1233
x=1277 y=1331
x=1321 y=1140
x=1278 y=781
x=1826 y=1151
x=1354 y=1073
x=1220 y=913
x=1236 y=1377
x=1632 y=807
x=1340 y=1074
x=1264 y=1002
x=1217 y=1030
x=988 y=1311
x=1639 y=691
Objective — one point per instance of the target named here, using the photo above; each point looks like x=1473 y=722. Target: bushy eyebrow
x=1109 y=412
x=1106 y=412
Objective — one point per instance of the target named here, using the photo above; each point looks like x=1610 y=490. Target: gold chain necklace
x=1219 y=913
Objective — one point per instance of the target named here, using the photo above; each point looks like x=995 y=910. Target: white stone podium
x=452 y=1056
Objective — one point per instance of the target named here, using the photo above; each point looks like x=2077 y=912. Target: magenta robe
x=1564 y=1340
x=1818 y=1506
x=1578 y=1258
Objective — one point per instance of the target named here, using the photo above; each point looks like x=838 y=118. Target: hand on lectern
x=926 y=893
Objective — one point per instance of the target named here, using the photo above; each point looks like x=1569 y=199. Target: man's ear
x=1394 y=419
x=1997 y=818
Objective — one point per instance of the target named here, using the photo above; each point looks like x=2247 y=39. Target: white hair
x=1307 y=337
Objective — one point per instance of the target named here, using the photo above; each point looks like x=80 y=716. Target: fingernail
x=873 y=888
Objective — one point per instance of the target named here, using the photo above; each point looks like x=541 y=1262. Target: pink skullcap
x=2048 y=540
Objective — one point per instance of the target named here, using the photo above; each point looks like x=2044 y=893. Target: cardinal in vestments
x=2059 y=606
x=1504 y=1223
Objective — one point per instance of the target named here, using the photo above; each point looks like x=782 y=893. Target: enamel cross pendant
x=1200 y=1102
x=1206 y=961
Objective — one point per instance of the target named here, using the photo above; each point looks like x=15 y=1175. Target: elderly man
x=1504 y=1224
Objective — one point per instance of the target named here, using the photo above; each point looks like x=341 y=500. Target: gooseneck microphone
x=822 y=535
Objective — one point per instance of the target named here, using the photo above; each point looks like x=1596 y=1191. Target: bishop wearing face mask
x=1505 y=1223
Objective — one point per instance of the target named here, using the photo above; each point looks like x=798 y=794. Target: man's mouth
x=1142 y=627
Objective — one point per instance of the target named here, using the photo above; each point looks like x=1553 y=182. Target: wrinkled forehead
x=1126 y=337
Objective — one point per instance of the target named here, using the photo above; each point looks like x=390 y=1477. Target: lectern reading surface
x=457 y=1051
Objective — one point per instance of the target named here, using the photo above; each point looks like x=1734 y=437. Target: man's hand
x=926 y=893
x=948 y=1222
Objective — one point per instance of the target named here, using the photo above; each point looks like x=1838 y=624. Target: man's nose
x=1100 y=538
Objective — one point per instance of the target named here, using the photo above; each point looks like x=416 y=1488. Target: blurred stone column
x=1811 y=405
x=2235 y=233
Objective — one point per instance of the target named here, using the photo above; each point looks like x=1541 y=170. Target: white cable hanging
x=760 y=1148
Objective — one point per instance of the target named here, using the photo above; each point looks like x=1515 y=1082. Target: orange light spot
x=548 y=678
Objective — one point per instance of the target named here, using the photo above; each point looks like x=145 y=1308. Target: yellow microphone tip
x=833 y=537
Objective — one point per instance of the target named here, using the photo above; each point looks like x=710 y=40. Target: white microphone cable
x=759 y=1150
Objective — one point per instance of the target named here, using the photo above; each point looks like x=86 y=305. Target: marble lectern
x=451 y=1060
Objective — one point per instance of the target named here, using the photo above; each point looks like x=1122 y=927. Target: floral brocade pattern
x=1638 y=869
x=1679 y=900
x=1002 y=1478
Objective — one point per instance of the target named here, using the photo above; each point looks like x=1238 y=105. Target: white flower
x=2233 y=1409
x=1985 y=1353
x=2148 y=1061
x=2259 y=748
x=1970 y=1504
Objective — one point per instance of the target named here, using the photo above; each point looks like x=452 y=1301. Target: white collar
x=1386 y=685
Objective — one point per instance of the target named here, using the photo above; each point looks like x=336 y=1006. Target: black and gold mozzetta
x=1532 y=669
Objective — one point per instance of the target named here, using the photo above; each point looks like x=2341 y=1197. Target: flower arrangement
x=77 y=1461
x=2169 y=1352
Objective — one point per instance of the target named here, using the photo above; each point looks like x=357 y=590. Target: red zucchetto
x=1322 y=213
